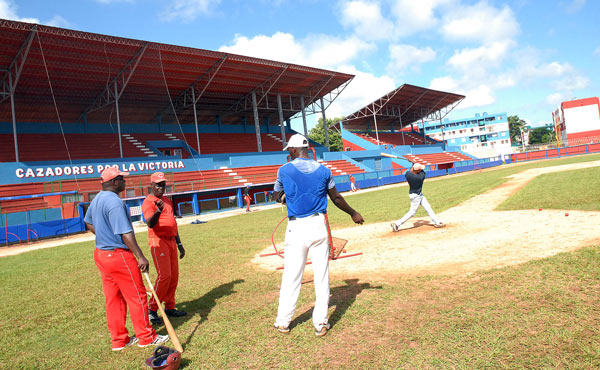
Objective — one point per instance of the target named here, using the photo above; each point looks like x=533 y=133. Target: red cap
x=158 y=177
x=110 y=173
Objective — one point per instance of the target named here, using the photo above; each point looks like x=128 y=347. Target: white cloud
x=475 y=96
x=413 y=16
x=403 y=57
x=556 y=98
x=479 y=22
x=481 y=58
x=188 y=10
x=366 y=20
x=318 y=50
x=58 y=21
x=324 y=52
x=8 y=10
x=364 y=88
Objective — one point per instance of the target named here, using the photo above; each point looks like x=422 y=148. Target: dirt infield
x=476 y=236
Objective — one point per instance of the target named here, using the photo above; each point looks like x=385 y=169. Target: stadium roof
x=401 y=107
x=85 y=72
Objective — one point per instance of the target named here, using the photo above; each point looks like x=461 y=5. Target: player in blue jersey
x=305 y=184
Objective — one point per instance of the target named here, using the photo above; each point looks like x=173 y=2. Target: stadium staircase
x=393 y=139
x=341 y=167
x=437 y=158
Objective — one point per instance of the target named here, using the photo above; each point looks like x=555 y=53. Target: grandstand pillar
x=244 y=124
x=325 y=127
x=256 y=122
x=84 y=122
x=267 y=124
x=218 y=124
x=401 y=131
x=14 y=120
x=196 y=120
x=118 y=119
x=281 y=121
x=303 y=116
x=443 y=138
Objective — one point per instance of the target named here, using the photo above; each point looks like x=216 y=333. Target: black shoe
x=153 y=316
x=175 y=313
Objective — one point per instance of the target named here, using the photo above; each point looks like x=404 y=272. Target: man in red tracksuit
x=248 y=200
x=120 y=260
x=164 y=242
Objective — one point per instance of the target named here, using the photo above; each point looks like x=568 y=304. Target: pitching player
x=115 y=256
x=415 y=177
x=306 y=184
x=163 y=239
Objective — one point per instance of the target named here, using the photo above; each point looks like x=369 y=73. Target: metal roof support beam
x=303 y=115
x=325 y=126
x=196 y=121
x=118 y=118
x=107 y=96
x=281 y=121
x=12 y=74
x=14 y=119
x=193 y=94
x=256 y=123
x=263 y=89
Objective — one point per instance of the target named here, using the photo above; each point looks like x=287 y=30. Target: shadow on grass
x=342 y=297
x=203 y=306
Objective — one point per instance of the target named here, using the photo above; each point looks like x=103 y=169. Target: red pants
x=166 y=261
x=123 y=288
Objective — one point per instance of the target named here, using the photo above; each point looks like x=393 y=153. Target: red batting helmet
x=164 y=358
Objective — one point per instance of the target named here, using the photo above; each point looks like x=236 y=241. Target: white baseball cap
x=297 y=141
x=418 y=166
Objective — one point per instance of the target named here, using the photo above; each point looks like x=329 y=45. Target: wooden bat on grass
x=168 y=325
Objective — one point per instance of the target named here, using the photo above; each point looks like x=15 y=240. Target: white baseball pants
x=304 y=235
x=417 y=200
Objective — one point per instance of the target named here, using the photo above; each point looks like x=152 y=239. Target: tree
x=515 y=125
x=317 y=134
x=540 y=135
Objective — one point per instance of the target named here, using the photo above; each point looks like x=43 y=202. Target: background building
x=577 y=121
x=483 y=136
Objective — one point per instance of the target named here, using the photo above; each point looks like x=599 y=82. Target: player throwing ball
x=415 y=177
x=306 y=184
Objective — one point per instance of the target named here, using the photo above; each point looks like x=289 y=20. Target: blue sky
x=522 y=57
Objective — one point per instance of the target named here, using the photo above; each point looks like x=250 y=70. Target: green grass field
x=539 y=315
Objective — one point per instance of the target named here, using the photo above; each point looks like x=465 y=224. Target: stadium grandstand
x=73 y=103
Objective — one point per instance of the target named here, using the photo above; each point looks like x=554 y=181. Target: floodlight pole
x=325 y=128
x=303 y=116
x=118 y=119
x=195 y=119
x=281 y=122
x=256 y=123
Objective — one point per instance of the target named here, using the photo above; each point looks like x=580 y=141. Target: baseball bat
x=168 y=325
x=388 y=155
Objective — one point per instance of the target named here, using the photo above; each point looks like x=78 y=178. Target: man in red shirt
x=164 y=241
